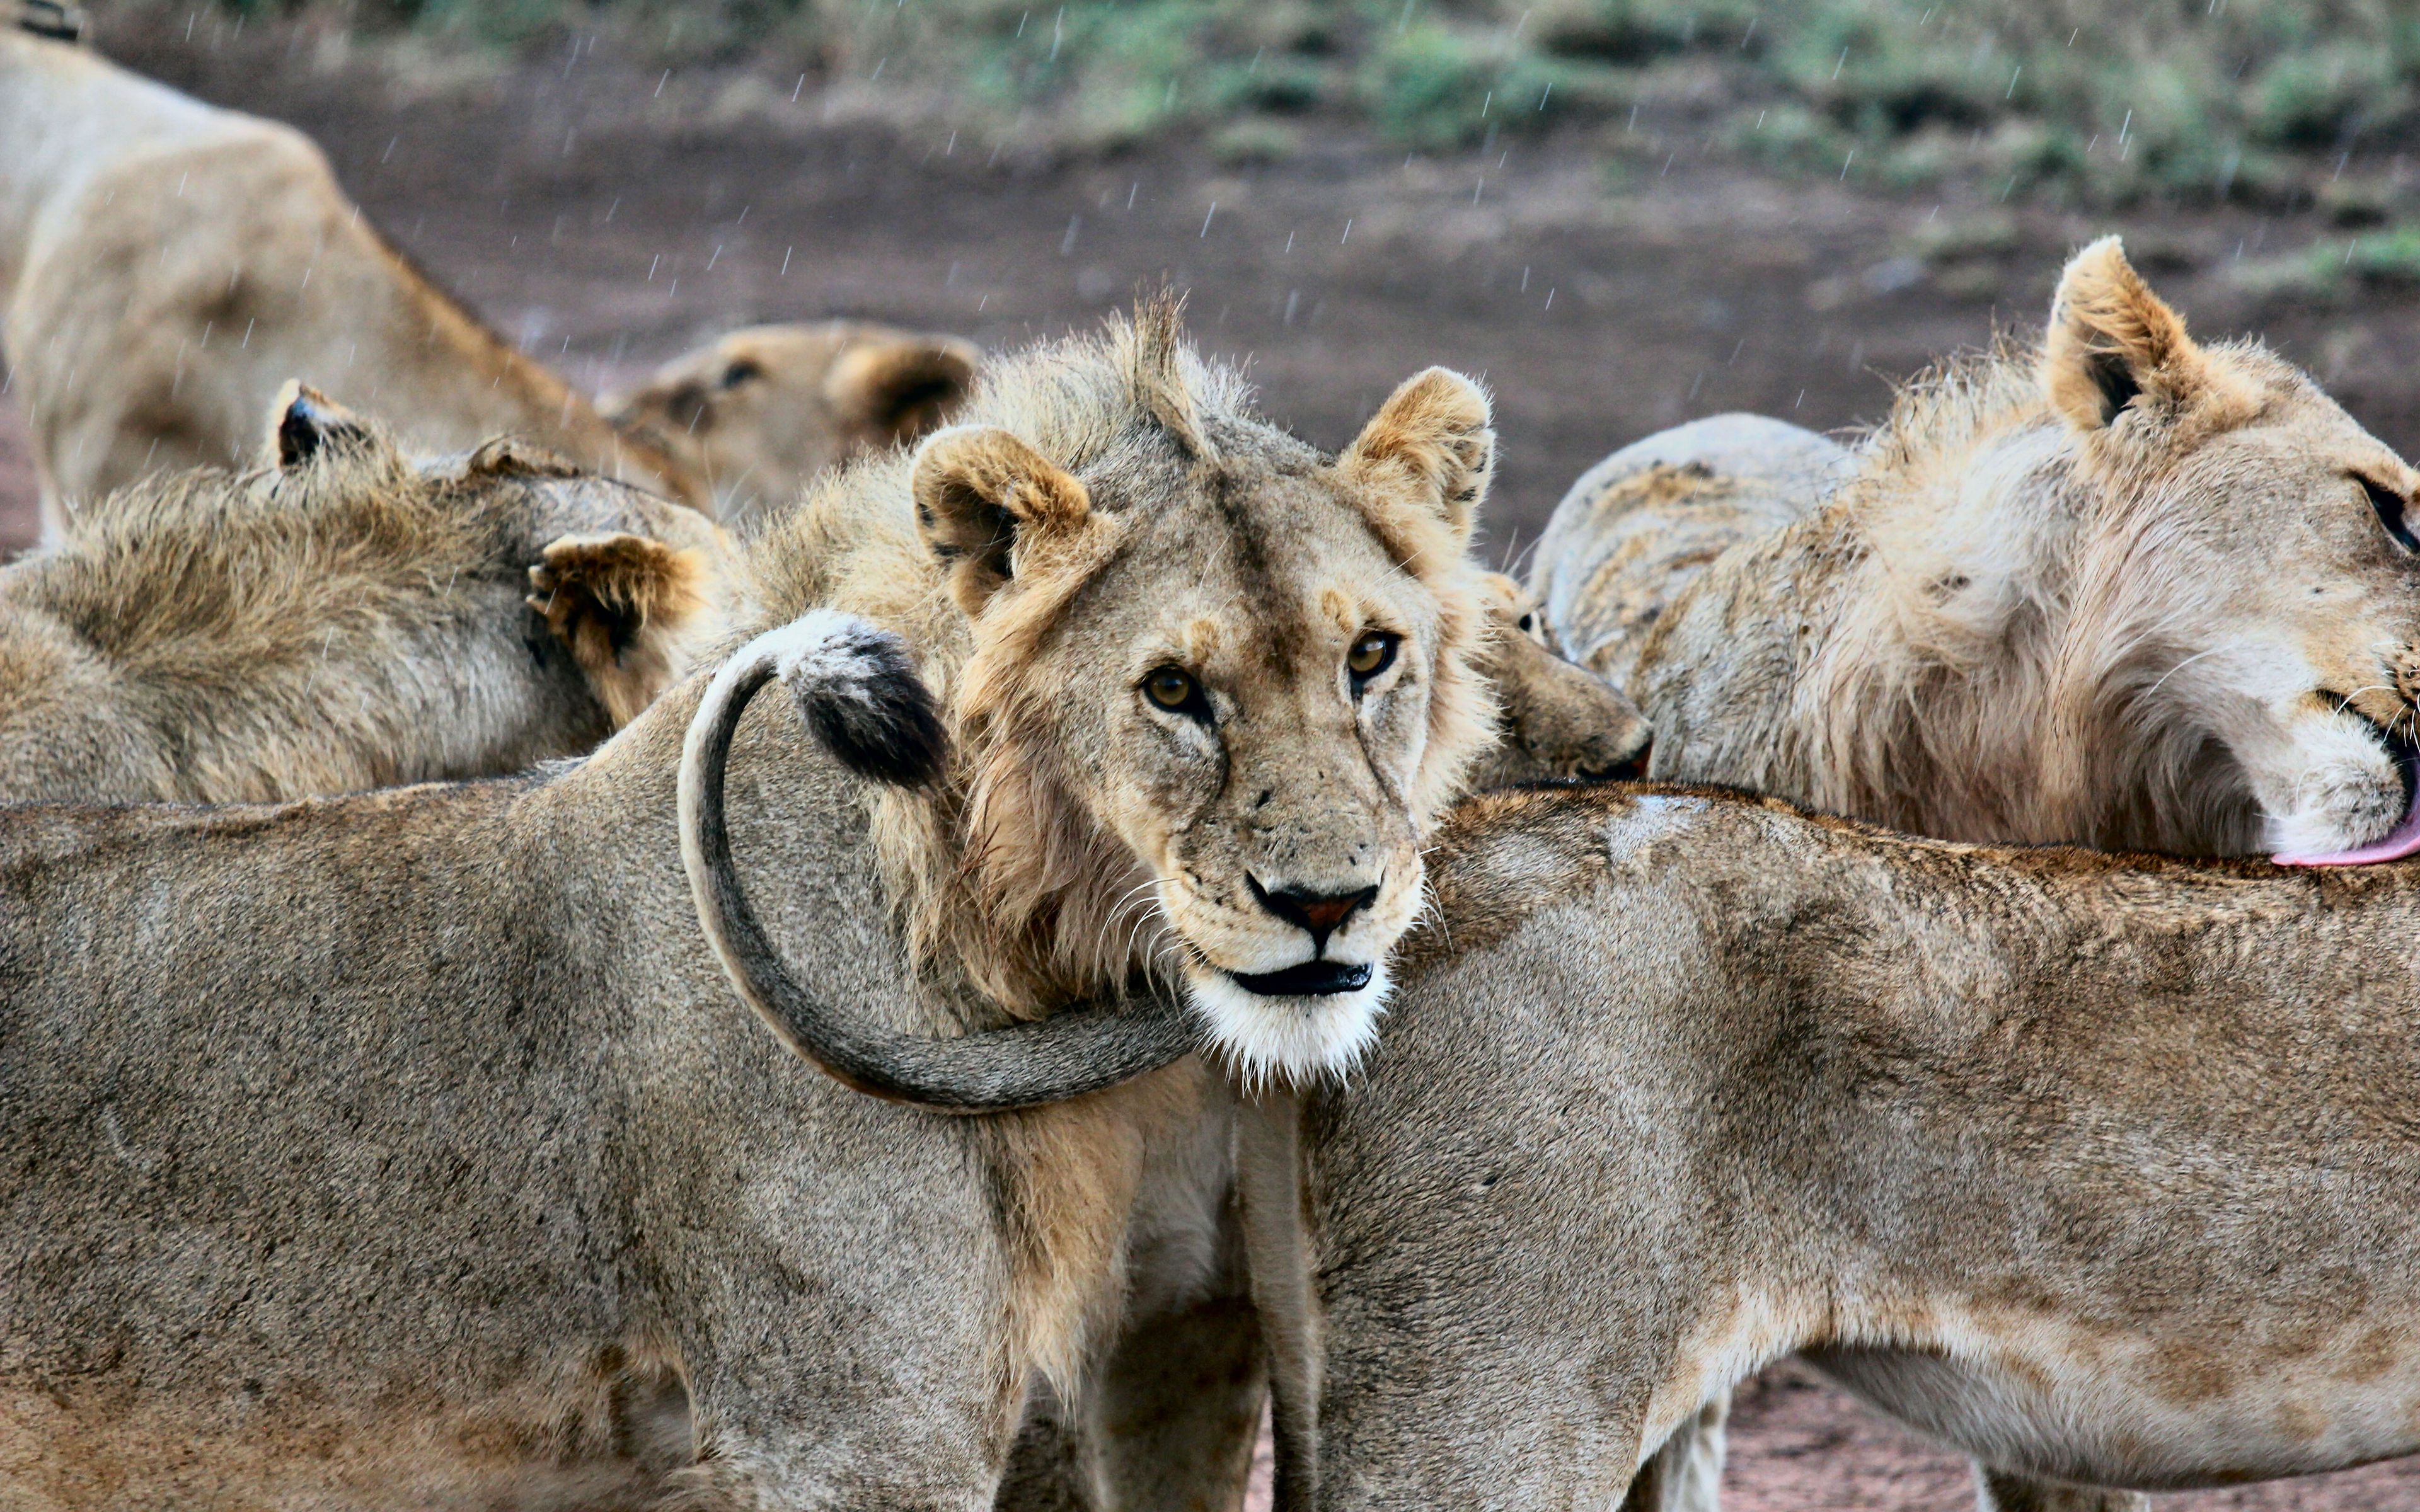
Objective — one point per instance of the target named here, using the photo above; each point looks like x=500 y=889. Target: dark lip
x=1313 y=979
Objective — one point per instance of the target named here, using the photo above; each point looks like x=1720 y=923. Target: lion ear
x=304 y=422
x=1434 y=437
x=628 y=606
x=902 y=388
x=2112 y=340
x=982 y=492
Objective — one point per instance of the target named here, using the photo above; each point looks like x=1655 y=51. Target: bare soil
x=609 y=217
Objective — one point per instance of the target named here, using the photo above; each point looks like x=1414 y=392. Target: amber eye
x=1174 y=690
x=1371 y=655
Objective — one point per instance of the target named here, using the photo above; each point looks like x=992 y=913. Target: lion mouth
x=2404 y=839
x=1311 y=979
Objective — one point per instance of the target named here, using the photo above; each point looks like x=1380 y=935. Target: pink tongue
x=2403 y=842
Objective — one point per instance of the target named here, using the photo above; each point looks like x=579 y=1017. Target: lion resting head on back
x=1205 y=685
x=343 y=617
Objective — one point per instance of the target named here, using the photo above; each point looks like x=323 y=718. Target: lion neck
x=1952 y=678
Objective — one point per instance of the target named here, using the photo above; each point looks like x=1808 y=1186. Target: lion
x=2046 y=603
x=2101 y=1168
x=2041 y=603
x=166 y=265
x=523 y=1160
x=342 y=618
x=760 y=412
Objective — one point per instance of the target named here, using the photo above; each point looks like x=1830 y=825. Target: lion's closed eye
x=2393 y=511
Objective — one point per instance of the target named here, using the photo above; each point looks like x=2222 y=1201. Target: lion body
x=166 y=265
x=353 y=621
x=2101 y=1168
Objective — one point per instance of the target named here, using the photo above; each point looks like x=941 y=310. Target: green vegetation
x=2087 y=103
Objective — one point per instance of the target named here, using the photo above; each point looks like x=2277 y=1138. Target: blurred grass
x=2254 y=101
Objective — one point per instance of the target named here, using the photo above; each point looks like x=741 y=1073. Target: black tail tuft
x=861 y=697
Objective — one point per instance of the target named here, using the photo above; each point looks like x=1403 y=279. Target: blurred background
x=1621 y=213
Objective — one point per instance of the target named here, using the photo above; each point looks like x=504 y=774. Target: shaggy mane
x=1986 y=624
x=214 y=568
x=1004 y=880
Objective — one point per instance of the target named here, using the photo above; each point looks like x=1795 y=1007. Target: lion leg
x=1687 y=1473
x=1998 y=1490
x=1178 y=1410
x=1056 y=1464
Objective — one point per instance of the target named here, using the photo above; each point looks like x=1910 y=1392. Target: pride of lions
x=1184 y=945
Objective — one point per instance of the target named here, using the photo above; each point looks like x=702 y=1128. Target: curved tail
x=863 y=702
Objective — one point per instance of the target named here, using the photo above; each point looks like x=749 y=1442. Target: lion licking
x=2124 y=590
x=342 y=618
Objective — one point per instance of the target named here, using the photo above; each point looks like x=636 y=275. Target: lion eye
x=2390 y=507
x=1371 y=655
x=741 y=371
x=1174 y=689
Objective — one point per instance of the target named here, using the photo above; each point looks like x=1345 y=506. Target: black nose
x=1317 y=914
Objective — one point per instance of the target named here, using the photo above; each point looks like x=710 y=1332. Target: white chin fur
x=1289 y=1039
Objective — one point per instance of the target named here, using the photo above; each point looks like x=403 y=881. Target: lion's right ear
x=630 y=609
x=981 y=494
x=2113 y=341
x=304 y=422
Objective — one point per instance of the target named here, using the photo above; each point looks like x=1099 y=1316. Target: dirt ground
x=609 y=217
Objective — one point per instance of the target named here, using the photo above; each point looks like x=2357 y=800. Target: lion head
x=1205 y=687
x=760 y=412
x=2252 y=581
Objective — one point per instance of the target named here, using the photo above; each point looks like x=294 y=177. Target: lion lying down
x=2101 y=1168
x=340 y=619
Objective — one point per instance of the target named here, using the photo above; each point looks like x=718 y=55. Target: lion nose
x=1317 y=914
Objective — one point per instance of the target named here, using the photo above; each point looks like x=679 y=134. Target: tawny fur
x=2028 y=613
x=353 y=619
x=165 y=265
x=761 y=412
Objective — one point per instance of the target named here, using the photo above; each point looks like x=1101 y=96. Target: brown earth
x=609 y=216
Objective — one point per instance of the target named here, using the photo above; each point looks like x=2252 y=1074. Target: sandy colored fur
x=353 y=621
x=166 y=265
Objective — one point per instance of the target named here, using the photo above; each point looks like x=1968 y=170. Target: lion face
x=761 y=410
x=2256 y=568
x=1260 y=736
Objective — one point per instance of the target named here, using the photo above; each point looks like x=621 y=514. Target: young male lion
x=2125 y=589
x=2103 y=1169
x=342 y=618
x=2043 y=602
x=165 y=265
x=524 y=1156
x=760 y=412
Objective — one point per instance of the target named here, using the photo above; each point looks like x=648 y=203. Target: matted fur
x=354 y=620
x=2171 y=624
x=165 y=265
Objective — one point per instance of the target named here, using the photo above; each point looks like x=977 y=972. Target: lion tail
x=861 y=698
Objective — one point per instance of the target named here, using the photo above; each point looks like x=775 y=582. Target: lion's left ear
x=1435 y=438
x=628 y=608
x=982 y=494
x=2113 y=341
